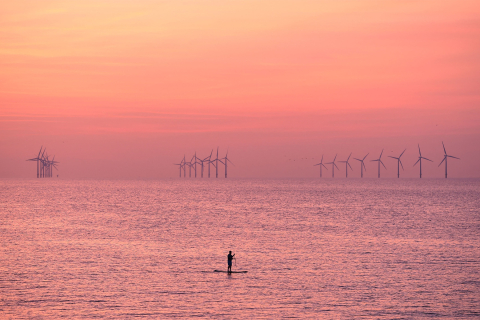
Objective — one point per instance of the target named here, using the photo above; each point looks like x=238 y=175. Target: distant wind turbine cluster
x=202 y=162
x=44 y=164
x=380 y=163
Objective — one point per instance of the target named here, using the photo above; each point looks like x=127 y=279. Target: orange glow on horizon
x=334 y=68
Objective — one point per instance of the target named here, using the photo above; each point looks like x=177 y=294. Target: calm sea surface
x=319 y=249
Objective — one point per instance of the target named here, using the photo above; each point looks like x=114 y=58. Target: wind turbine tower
x=379 y=160
x=362 y=165
x=399 y=162
x=347 y=165
x=321 y=165
x=445 y=157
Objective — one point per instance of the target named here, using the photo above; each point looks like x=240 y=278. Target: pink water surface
x=318 y=249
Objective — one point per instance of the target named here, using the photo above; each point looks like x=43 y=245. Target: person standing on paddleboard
x=230 y=258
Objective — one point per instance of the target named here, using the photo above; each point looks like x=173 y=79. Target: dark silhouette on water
x=362 y=165
x=399 y=162
x=229 y=260
x=321 y=165
x=420 y=160
x=445 y=159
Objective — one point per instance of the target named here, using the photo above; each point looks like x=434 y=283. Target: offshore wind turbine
x=184 y=167
x=399 y=162
x=190 y=166
x=216 y=164
x=54 y=165
x=321 y=165
x=333 y=166
x=180 y=165
x=379 y=160
x=201 y=164
x=226 y=163
x=445 y=157
x=37 y=159
x=420 y=160
x=209 y=162
x=362 y=165
x=347 y=165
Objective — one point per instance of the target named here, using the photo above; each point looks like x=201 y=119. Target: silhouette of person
x=230 y=258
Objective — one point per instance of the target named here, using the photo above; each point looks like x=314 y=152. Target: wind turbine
x=226 y=162
x=190 y=166
x=37 y=159
x=347 y=165
x=180 y=165
x=209 y=162
x=321 y=165
x=184 y=167
x=333 y=166
x=42 y=164
x=362 y=165
x=420 y=160
x=379 y=160
x=54 y=165
x=216 y=164
x=399 y=162
x=201 y=163
x=445 y=159
x=195 y=163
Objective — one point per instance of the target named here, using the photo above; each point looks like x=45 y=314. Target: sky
x=124 y=89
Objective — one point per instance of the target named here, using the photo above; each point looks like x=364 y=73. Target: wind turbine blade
x=229 y=161
x=365 y=156
x=453 y=157
x=419 y=152
x=402 y=153
x=350 y=166
x=383 y=164
x=334 y=158
x=444 y=148
x=401 y=163
x=445 y=157
x=392 y=157
x=324 y=166
x=380 y=154
x=364 y=166
x=349 y=156
x=357 y=159
x=335 y=166
x=416 y=162
x=427 y=159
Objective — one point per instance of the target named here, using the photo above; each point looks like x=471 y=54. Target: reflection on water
x=327 y=248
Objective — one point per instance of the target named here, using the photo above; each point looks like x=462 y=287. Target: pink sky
x=123 y=89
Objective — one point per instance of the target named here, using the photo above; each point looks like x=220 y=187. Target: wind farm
x=380 y=164
x=183 y=164
x=45 y=166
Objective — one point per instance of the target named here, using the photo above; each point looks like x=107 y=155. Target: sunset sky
x=123 y=89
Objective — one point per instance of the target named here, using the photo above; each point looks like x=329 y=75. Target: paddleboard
x=230 y=272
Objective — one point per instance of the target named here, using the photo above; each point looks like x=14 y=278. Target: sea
x=312 y=249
